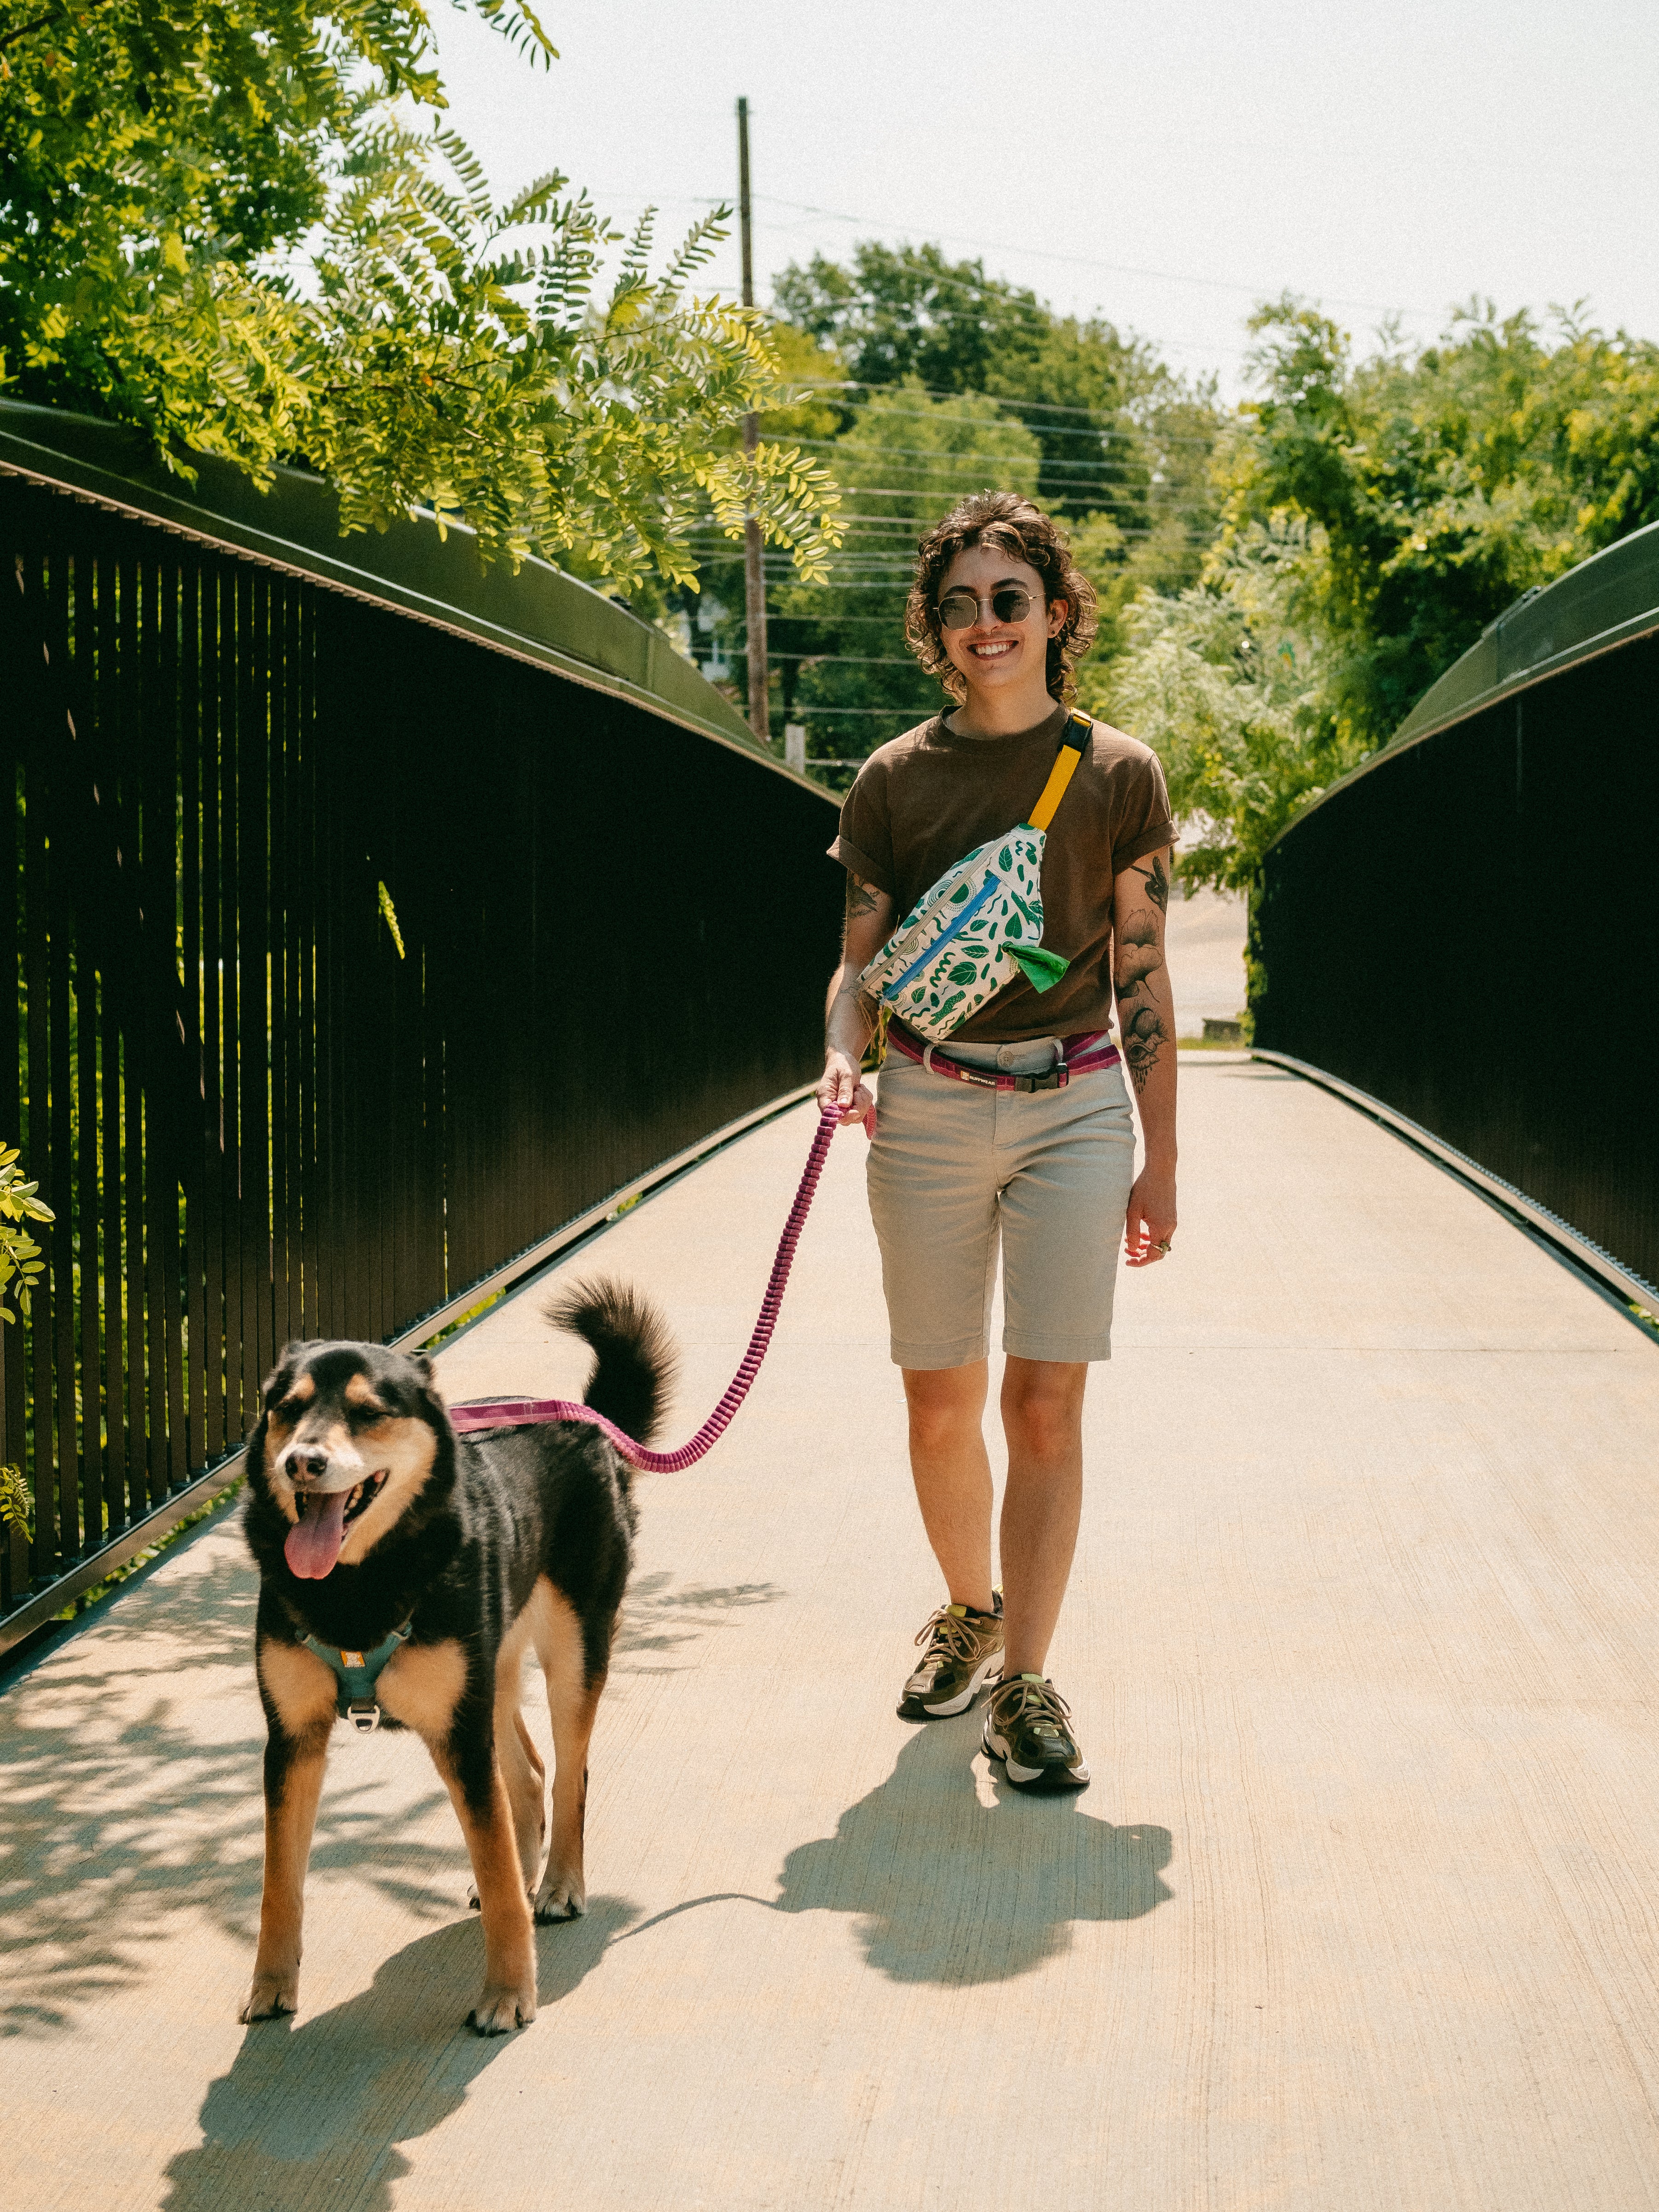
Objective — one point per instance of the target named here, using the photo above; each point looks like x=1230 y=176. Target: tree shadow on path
x=950 y=1889
x=130 y=1763
x=313 y=2110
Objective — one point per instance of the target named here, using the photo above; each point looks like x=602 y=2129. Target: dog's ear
x=432 y=1397
x=280 y=1380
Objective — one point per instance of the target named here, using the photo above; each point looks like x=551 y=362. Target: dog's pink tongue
x=313 y=1544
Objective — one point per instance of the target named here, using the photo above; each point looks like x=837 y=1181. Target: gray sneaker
x=1027 y=1728
x=964 y=1650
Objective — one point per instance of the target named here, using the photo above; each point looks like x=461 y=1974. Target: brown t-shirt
x=923 y=802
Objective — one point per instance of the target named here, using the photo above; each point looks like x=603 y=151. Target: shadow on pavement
x=950 y=1889
x=313 y=2111
x=130 y=1769
x=131 y=1772
x=656 y=1619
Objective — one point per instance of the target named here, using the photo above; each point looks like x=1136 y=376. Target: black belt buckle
x=1054 y=1079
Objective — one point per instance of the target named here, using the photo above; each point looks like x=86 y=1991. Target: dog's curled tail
x=634 y=1361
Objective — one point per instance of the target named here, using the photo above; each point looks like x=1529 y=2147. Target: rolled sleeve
x=1152 y=839
x=857 y=862
x=864 y=845
x=1147 y=824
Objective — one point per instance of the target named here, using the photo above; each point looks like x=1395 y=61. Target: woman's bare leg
x=1043 y=1420
x=952 y=1473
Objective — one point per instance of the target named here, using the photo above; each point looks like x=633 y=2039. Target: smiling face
x=1001 y=661
x=349 y=1443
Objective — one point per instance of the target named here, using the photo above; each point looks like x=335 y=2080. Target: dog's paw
x=561 y=1897
x=271 y=1995
x=500 y=2010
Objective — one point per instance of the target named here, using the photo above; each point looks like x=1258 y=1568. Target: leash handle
x=521 y=1413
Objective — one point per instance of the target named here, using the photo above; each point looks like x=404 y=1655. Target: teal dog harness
x=357 y=1674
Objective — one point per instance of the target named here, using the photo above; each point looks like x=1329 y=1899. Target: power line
x=1071 y=260
x=890 y=522
x=1068 y=471
x=1112 y=268
x=1205 y=351
x=924 y=519
x=939 y=392
x=1148 y=434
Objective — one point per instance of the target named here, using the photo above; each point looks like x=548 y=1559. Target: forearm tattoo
x=1157 y=880
x=1143 y=1016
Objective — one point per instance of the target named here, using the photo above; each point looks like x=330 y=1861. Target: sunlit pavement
x=1359 y=1913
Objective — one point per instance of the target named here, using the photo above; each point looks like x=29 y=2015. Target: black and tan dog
x=378 y=1530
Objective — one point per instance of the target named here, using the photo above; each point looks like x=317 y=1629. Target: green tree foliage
x=1123 y=448
x=1118 y=432
x=902 y=463
x=900 y=314
x=1437 y=487
x=1226 y=684
x=20 y=1256
x=223 y=225
x=1379 y=514
x=799 y=417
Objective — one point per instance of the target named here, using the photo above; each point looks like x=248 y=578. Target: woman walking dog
x=1012 y=1126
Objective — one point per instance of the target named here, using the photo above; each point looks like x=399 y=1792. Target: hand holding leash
x=842 y=1092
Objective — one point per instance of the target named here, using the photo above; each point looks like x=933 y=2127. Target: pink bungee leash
x=522 y=1413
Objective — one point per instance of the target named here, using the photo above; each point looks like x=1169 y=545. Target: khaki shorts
x=955 y=1169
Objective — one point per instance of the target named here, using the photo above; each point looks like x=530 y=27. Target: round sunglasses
x=959 y=610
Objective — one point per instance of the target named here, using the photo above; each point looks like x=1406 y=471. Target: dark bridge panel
x=1467 y=929
x=253 y=1118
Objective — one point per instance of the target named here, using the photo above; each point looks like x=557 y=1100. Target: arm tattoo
x=1157 y=880
x=860 y=897
x=1144 y=1038
x=1141 y=1019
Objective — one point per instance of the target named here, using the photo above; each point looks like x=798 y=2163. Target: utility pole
x=754 y=573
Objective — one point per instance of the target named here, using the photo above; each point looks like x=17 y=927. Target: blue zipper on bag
x=991 y=883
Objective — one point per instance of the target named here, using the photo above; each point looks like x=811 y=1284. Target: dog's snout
x=305 y=1460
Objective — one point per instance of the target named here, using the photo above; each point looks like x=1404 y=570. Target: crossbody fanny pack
x=980 y=925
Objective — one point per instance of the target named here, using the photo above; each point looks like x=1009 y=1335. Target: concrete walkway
x=1361 y=1912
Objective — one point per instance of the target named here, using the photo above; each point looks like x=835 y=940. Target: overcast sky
x=1164 y=164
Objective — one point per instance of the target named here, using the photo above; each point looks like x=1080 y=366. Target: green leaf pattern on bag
x=934 y=985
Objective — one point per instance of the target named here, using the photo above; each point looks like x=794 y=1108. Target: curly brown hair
x=1009 y=522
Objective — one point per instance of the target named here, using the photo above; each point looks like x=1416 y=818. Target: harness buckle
x=1054 y=1078
x=364 y=1716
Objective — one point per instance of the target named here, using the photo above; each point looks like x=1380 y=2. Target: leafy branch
x=230 y=227
x=20 y=1256
x=16 y=1504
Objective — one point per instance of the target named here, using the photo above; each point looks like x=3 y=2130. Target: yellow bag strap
x=1078 y=730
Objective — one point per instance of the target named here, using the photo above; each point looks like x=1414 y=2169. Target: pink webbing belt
x=1080 y=1055
x=523 y=1412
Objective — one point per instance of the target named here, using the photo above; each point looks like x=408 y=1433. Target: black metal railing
x=1467 y=929
x=253 y=1115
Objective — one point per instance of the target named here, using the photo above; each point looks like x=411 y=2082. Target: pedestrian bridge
x=1359 y=1912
